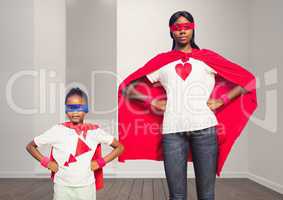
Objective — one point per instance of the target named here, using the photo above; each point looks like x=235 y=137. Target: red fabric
x=70 y=160
x=182 y=26
x=140 y=129
x=83 y=148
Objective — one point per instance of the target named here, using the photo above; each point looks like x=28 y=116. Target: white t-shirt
x=186 y=108
x=64 y=142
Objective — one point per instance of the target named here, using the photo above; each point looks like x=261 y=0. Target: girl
x=76 y=152
x=191 y=97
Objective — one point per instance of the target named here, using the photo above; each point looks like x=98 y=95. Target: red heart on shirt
x=183 y=70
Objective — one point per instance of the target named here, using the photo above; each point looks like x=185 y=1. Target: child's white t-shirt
x=64 y=142
x=186 y=108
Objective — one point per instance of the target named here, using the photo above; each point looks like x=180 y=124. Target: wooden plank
x=108 y=184
x=165 y=187
x=158 y=189
x=147 y=192
x=136 y=193
x=125 y=190
x=113 y=193
x=137 y=189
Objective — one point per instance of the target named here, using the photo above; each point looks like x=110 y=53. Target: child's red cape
x=98 y=174
x=140 y=129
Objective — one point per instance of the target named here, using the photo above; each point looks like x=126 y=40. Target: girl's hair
x=189 y=17
x=76 y=91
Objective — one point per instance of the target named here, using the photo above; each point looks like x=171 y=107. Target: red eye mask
x=182 y=26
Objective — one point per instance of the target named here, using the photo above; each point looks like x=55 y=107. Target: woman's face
x=182 y=37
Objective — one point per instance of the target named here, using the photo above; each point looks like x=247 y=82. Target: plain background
x=66 y=41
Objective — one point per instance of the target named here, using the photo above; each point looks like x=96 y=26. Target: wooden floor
x=137 y=189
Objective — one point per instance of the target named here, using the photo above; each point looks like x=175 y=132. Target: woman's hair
x=189 y=17
x=76 y=91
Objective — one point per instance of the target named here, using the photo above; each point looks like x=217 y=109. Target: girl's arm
x=232 y=94
x=118 y=149
x=32 y=149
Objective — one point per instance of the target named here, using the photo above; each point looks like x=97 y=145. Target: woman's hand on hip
x=213 y=104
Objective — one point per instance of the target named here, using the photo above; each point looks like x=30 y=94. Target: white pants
x=74 y=193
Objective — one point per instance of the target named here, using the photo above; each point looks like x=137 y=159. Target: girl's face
x=77 y=116
x=182 y=37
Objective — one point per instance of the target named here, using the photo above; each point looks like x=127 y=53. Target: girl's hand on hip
x=213 y=104
x=94 y=165
x=53 y=166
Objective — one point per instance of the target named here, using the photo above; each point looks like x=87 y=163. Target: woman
x=198 y=91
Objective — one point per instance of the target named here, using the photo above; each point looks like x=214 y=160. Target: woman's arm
x=32 y=149
x=131 y=93
x=213 y=104
x=235 y=92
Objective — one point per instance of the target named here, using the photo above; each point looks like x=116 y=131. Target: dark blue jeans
x=203 y=144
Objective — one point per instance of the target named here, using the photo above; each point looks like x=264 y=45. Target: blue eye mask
x=76 y=108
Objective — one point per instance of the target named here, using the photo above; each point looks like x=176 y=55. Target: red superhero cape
x=82 y=148
x=143 y=141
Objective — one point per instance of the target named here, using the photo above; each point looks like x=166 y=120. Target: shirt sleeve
x=49 y=137
x=154 y=76
x=210 y=70
x=103 y=137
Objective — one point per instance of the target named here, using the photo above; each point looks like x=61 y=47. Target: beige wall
x=265 y=140
x=32 y=65
x=16 y=52
x=91 y=59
